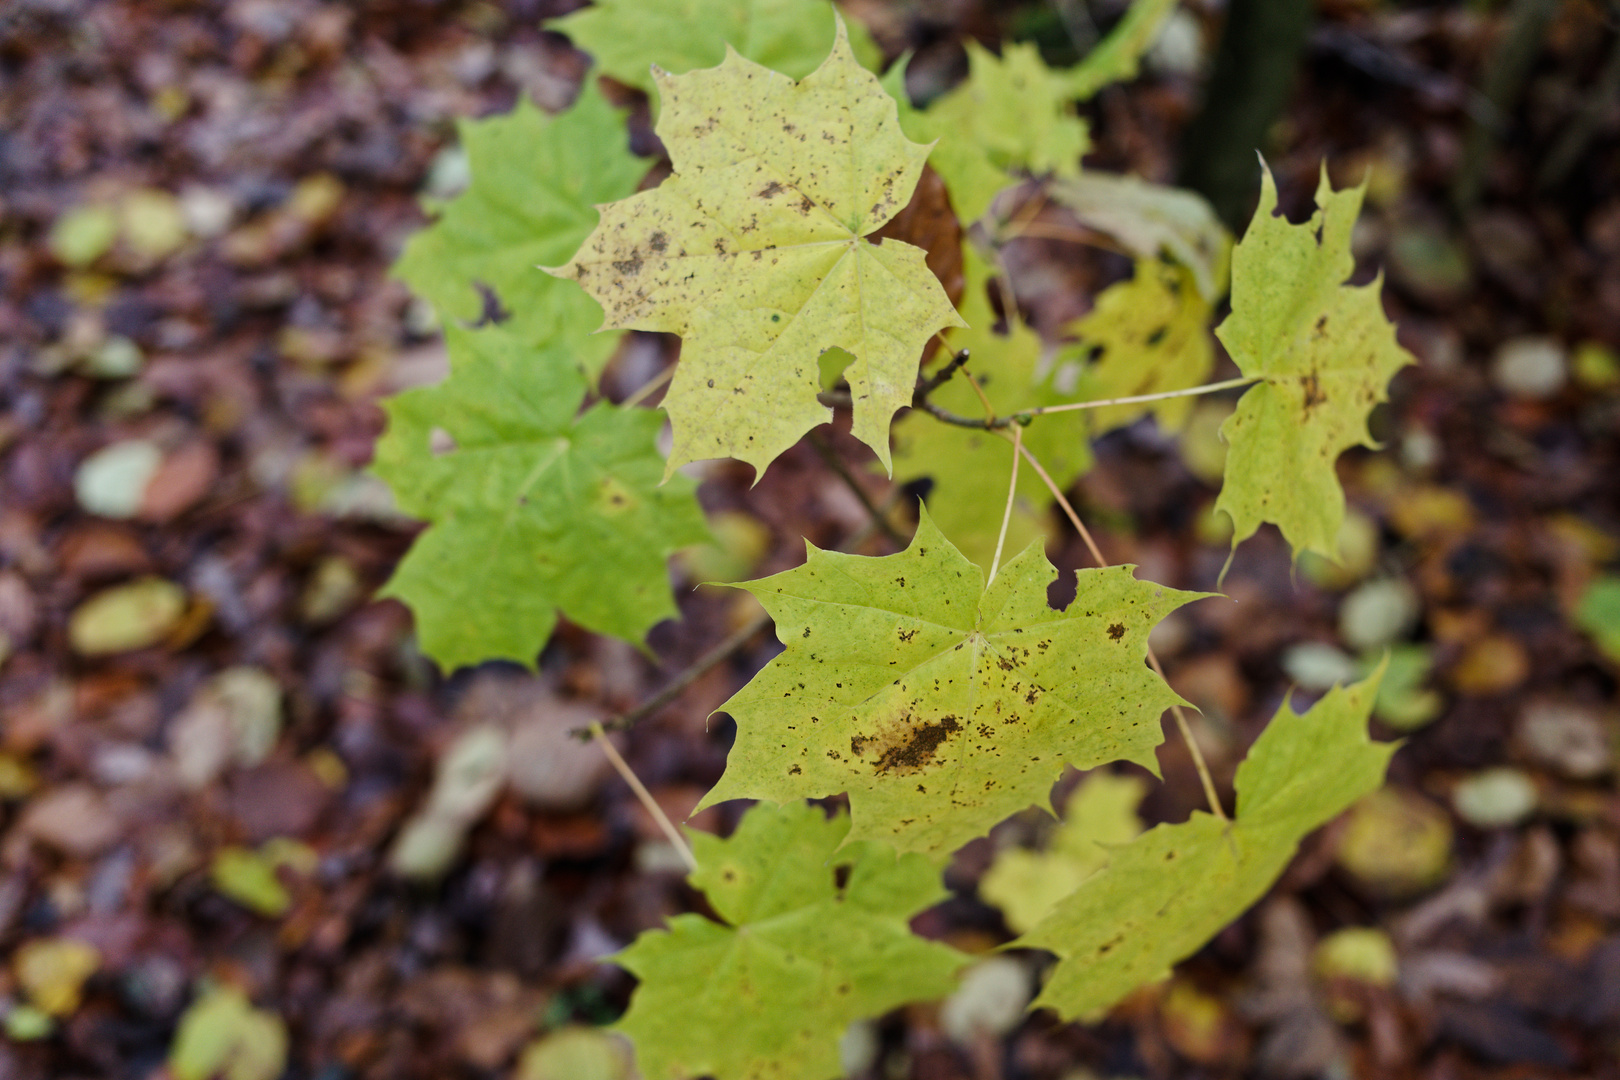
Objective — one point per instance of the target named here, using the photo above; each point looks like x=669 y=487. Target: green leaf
x=533 y=508
x=1118 y=57
x=1012 y=115
x=1165 y=894
x=1599 y=615
x=753 y=252
x=969 y=467
x=535 y=185
x=1144 y=336
x=1026 y=884
x=1151 y=220
x=1324 y=352
x=628 y=37
x=223 y=1036
x=942 y=705
x=815 y=936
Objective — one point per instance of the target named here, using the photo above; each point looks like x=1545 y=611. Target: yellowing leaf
x=223 y=1035
x=535 y=185
x=815 y=936
x=628 y=37
x=1166 y=893
x=753 y=252
x=1026 y=885
x=970 y=468
x=53 y=972
x=1324 y=353
x=1145 y=336
x=534 y=508
x=1151 y=220
x=940 y=705
x=1011 y=115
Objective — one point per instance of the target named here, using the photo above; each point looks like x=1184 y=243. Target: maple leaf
x=627 y=37
x=753 y=252
x=532 y=508
x=1324 y=352
x=969 y=467
x=1118 y=56
x=942 y=705
x=1012 y=115
x=815 y=937
x=1166 y=893
x=1144 y=336
x=532 y=199
x=1026 y=884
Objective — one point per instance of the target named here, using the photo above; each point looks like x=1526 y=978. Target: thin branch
x=1006 y=515
x=942 y=376
x=700 y=667
x=649 y=388
x=624 y=770
x=836 y=464
x=1136 y=399
x=1180 y=714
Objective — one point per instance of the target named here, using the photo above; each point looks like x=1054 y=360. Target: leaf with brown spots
x=939 y=704
x=815 y=936
x=1324 y=353
x=754 y=251
x=1166 y=893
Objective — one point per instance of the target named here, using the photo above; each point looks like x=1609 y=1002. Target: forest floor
x=242 y=345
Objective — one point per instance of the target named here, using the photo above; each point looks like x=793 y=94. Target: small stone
x=112 y=481
x=1495 y=798
x=1377 y=614
x=126 y=617
x=990 y=1000
x=1315 y=665
x=73 y=819
x=1530 y=367
x=1396 y=843
x=1574 y=740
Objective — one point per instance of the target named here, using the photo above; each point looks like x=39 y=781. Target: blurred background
x=212 y=738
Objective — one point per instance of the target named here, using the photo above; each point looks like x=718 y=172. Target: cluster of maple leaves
x=939 y=697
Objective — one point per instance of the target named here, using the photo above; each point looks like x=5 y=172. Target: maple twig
x=624 y=770
x=1001 y=423
x=940 y=377
x=1134 y=399
x=836 y=464
x=1176 y=710
x=1006 y=515
x=648 y=388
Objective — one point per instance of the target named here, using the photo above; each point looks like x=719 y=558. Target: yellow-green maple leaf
x=1026 y=884
x=1166 y=893
x=815 y=936
x=1145 y=336
x=754 y=252
x=1012 y=115
x=1324 y=353
x=628 y=37
x=939 y=704
x=535 y=184
x=970 y=468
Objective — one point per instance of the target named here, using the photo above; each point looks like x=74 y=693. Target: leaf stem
x=1006 y=515
x=1180 y=714
x=651 y=804
x=648 y=388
